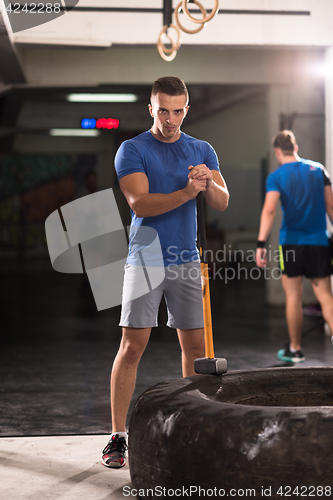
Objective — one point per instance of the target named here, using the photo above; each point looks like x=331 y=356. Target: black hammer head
x=211 y=366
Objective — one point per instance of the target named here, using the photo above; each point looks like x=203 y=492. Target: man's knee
x=132 y=346
x=130 y=352
x=293 y=287
x=199 y=350
x=194 y=345
x=321 y=284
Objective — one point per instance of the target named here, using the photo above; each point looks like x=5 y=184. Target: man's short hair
x=170 y=85
x=285 y=140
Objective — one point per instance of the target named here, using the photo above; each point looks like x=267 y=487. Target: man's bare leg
x=123 y=375
x=192 y=343
x=323 y=292
x=293 y=288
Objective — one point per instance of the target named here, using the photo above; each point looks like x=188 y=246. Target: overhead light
x=73 y=132
x=97 y=97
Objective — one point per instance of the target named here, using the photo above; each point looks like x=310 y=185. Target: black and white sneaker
x=292 y=357
x=114 y=453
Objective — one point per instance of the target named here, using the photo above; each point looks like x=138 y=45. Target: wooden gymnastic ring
x=175 y=45
x=191 y=32
x=164 y=56
x=165 y=53
x=204 y=20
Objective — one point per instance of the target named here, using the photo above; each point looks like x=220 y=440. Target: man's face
x=168 y=113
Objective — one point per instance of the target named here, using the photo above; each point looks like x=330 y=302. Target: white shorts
x=182 y=290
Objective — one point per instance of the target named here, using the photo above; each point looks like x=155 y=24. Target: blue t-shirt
x=301 y=187
x=166 y=166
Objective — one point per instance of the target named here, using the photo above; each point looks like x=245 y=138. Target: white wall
x=143 y=65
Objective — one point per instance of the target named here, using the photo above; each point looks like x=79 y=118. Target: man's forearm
x=145 y=204
x=266 y=224
x=152 y=204
x=217 y=196
x=330 y=215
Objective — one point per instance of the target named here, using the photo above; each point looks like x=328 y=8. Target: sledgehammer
x=209 y=364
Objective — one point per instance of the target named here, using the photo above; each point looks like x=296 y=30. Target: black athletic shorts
x=305 y=260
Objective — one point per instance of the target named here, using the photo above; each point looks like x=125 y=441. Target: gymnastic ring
x=204 y=20
x=191 y=32
x=175 y=45
x=168 y=54
x=164 y=56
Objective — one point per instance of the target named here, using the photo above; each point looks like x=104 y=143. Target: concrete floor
x=55 y=361
x=61 y=467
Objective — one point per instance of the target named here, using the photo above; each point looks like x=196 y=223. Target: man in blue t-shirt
x=305 y=191
x=160 y=172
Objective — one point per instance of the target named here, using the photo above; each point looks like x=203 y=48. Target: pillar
x=277 y=104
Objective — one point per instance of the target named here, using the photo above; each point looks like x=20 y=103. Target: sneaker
x=114 y=453
x=292 y=357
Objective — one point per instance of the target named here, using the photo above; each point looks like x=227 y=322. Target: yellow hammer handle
x=209 y=346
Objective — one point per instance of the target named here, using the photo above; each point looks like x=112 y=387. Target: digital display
x=100 y=123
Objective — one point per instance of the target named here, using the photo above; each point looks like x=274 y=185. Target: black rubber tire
x=265 y=428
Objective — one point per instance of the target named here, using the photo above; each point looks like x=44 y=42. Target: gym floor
x=55 y=362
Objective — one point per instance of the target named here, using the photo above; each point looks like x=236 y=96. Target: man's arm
x=217 y=194
x=144 y=204
x=328 y=195
x=266 y=222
